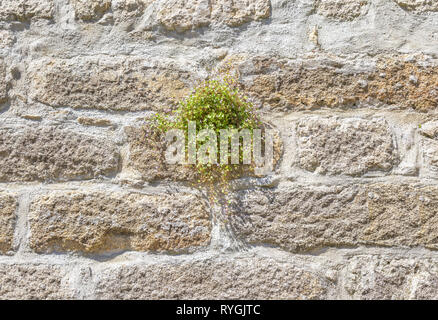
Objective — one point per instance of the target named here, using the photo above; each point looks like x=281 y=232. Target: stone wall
x=89 y=209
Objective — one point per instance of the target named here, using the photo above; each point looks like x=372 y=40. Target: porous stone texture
x=238 y=278
x=46 y=153
x=94 y=122
x=401 y=215
x=97 y=222
x=343 y=10
x=382 y=278
x=3 y=83
x=429 y=144
x=107 y=84
x=180 y=15
x=33 y=281
x=90 y=9
x=418 y=5
x=127 y=10
x=235 y=13
x=6 y=40
x=90 y=208
x=429 y=129
x=147 y=157
x=25 y=10
x=430 y=154
x=349 y=146
x=8 y=209
x=176 y=15
x=336 y=83
x=303 y=218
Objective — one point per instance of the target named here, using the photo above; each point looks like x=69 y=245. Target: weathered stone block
x=98 y=122
x=107 y=84
x=8 y=208
x=126 y=10
x=7 y=39
x=418 y=5
x=90 y=9
x=283 y=84
x=98 y=221
x=429 y=148
x=147 y=149
x=429 y=129
x=123 y=11
x=430 y=156
x=49 y=153
x=379 y=277
x=24 y=10
x=181 y=15
x=345 y=146
x=302 y=218
x=176 y=15
x=394 y=217
x=33 y=282
x=342 y=10
x=147 y=157
x=218 y=278
x=235 y=13
x=3 y=83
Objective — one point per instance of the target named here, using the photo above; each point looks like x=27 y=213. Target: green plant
x=215 y=104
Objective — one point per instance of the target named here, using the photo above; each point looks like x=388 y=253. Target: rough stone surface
x=33 y=282
x=430 y=155
x=418 y=5
x=48 y=154
x=334 y=83
x=344 y=146
x=343 y=10
x=8 y=208
x=3 y=83
x=147 y=157
x=429 y=147
x=301 y=218
x=235 y=13
x=429 y=129
x=96 y=222
x=7 y=39
x=127 y=10
x=244 y=278
x=380 y=278
x=106 y=84
x=122 y=11
x=181 y=15
x=401 y=215
x=304 y=218
x=24 y=10
x=90 y=9
x=94 y=122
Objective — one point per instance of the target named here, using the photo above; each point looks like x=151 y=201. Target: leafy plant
x=215 y=104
